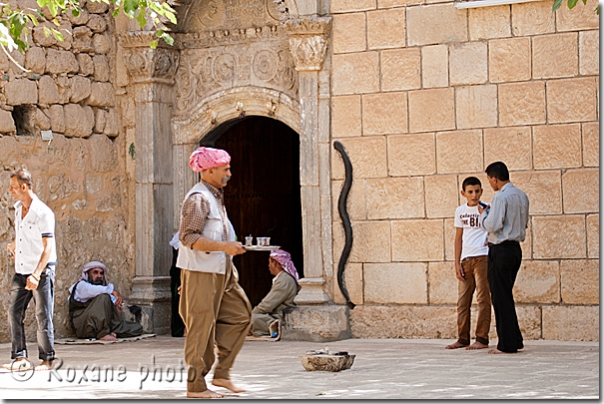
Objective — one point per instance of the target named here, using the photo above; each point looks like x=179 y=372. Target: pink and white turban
x=206 y=157
x=285 y=259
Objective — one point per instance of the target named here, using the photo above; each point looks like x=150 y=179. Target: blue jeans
x=44 y=301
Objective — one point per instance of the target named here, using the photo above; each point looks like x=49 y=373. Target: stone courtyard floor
x=383 y=369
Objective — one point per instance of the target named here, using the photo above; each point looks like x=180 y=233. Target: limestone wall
x=425 y=94
x=82 y=173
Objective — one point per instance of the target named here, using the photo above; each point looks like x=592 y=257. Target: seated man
x=267 y=316
x=95 y=307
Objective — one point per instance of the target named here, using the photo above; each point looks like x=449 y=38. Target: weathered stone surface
x=411 y=155
x=58 y=62
x=435 y=66
x=346 y=116
x=7 y=124
x=344 y=6
x=436 y=24
x=104 y=159
x=357 y=208
x=101 y=43
x=64 y=86
x=489 y=22
x=371 y=242
x=589 y=49
x=511 y=145
x=57 y=118
x=356 y=73
x=559 y=236
x=468 y=63
x=48 y=91
x=543 y=189
x=557 y=146
x=368 y=157
x=80 y=89
x=353 y=280
x=451 y=145
x=593 y=236
x=349 y=33
x=580 y=280
x=78 y=121
x=555 y=56
x=61 y=186
x=42 y=121
x=3 y=62
x=384 y=113
x=396 y=283
x=100 y=119
x=94 y=184
x=386 y=28
x=395 y=3
x=41 y=39
x=529 y=320
x=108 y=203
x=538 y=282
x=35 y=60
x=395 y=198
x=112 y=127
x=532 y=18
x=97 y=7
x=21 y=91
x=441 y=195
x=441 y=104
x=401 y=69
x=579 y=18
x=403 y=322
x=476 y=106
x=327 y=363
x=81 y=19
x=86 y=64
x=442 y=284
x=417 y=240
x=584 y=184
x=564 y=95
x=101 y=67
x=101 y=95
x=571 y=323
x=591 y=144
x=82 y=40
x=318 y=323
x=450 y=236
x=509 y=60
x=66 y=30
x=96 y=23
x=522 y=103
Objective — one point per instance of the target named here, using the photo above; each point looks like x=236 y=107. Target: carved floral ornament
x=148 y=65
x=308 y=41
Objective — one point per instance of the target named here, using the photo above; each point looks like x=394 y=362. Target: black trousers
x=504 y=263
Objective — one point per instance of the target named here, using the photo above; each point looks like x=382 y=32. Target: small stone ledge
x=316 y=324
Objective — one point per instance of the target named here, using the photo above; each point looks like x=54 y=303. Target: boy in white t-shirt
x=471 y=258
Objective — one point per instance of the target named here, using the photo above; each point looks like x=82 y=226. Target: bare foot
x=203 y=394
x=497 y=351
x=455 y=345
x=45 y=365
x=477 y=345
x=227 y=384
x=21 y=364
x=109 y=337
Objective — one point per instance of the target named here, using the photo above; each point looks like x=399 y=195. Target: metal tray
x=261 y=247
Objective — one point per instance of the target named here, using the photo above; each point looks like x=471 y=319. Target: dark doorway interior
x=263 y=196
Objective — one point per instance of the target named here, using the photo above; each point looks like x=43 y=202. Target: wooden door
x=263 y=195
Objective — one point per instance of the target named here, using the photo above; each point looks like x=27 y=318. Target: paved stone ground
x=388 y=368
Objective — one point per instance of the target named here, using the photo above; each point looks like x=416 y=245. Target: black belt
x=506 y=242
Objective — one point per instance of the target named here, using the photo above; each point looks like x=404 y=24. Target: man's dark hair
x=23 y=177
x=470 y=181
x=498 y=170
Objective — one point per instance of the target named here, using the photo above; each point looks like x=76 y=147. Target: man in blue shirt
x=506 y=222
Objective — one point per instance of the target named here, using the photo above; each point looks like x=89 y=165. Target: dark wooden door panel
x=263 y=196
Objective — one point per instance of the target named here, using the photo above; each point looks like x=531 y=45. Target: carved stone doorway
x=263 y=196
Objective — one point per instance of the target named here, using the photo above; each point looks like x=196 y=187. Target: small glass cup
x=267 y=241
x=248 y=240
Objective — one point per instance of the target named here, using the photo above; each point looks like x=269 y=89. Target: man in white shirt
x=95 y=307
x=35 y=255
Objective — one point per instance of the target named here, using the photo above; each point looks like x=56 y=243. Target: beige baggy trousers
x=215 y=309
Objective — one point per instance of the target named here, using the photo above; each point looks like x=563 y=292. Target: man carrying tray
x=213 y=305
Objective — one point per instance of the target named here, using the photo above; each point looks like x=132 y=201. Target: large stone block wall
x=82 y=174
x=424 y=95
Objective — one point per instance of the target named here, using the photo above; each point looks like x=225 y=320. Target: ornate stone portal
x=237 y=58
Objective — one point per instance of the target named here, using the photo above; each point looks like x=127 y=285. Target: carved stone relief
x=215 y=14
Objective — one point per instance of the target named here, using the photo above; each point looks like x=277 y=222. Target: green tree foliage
x=15 y=24
x=571 y=5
